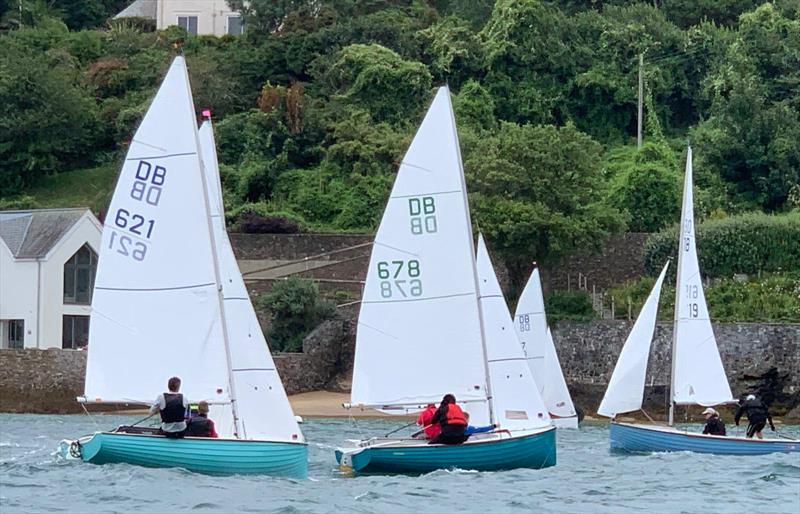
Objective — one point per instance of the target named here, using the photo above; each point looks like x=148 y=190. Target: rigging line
x=510 y=359
x=419 y=299
x=96 y=424
x=435 y=193
x=404 y=163
x=378 y=330
x=148 y=144
x=395 y=248
x=177 y=288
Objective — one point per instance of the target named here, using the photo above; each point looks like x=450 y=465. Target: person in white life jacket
x=172 y=406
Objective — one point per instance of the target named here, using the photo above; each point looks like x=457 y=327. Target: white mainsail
x=262 y=406
x=625 y=390
x=516 y=401
x=698 y=376
x=156 y=309
x=537 y=342
x=419 y=333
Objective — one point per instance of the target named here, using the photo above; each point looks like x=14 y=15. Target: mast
x=474 y=265
x=686 y=184
x=237 y=429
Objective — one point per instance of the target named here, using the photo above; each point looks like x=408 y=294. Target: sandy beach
x=325 y=404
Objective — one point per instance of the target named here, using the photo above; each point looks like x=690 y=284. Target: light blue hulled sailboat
x=169 y=301
x=698 y=376
x=433 y=321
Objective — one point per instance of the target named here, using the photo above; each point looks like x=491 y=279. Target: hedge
x=748 y=243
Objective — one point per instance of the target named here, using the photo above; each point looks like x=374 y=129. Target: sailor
x=172 y=406
x=757 y=416
x=425 y=420
x=714 y=425
x=452 y=420
x=200 y=425
x=477 y=430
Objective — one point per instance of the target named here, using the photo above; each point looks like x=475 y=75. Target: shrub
x=571 y=305
x=253 y=223
x=749 y=243
x=295 y=309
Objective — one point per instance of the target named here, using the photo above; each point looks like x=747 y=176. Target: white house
x=196 y=16
x=48 y=259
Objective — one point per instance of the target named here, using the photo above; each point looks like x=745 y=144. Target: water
x=587 y=479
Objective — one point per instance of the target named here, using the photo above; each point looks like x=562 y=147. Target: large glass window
x=235 y=26
x=75 y=333
x=16 y=333
x=189 y=23
x=79 y=274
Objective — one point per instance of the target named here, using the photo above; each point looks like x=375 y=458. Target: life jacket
x=424 y=420
x=174 y=410
x=756 y=411
x=199 y=426
x=455 y=416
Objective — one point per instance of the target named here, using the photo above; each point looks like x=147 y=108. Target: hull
x=202 y=455
x=643 y=438
x=571 y=422
x=534 y=450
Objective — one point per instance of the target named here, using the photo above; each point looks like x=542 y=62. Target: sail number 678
x=400 y=278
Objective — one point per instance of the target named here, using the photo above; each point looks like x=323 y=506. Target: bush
x=252 y=223
x=569 y=305
x=749 y=243
x=295 y=309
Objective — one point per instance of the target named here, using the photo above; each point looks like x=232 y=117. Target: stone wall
x=49 y=380
x=292 y=246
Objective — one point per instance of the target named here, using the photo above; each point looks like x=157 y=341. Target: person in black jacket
x=714 y=425
x=757 y=416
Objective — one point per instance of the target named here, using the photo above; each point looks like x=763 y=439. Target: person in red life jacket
x=452 y=420
x=425 y=420
x=200 y=425
x=172 y=406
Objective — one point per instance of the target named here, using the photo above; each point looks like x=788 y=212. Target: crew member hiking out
x=200 y=425
x=757 y=416
x=452 y=420
x=172 y=406
x=714 y=425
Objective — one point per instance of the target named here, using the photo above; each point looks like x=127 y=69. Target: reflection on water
x=588 y=478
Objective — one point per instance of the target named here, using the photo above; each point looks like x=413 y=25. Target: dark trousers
x=451 y=434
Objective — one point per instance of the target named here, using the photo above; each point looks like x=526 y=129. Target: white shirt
x=160 y=404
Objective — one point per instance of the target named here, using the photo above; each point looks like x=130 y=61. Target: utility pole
x=641 y=99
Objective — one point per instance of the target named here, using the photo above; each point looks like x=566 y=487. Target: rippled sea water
x=588 y=478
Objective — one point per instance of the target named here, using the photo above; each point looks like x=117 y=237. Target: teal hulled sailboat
x=169 y=300
x=433 y=321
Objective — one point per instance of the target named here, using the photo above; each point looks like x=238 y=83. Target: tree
x=537 y=193
x=295 y=309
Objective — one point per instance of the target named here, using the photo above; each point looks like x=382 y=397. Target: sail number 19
x=400 y=278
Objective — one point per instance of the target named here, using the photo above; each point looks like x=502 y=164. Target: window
x=16 y=333
x=189 y=23
x=75 y=332
x=235 y=25
x=79 y=273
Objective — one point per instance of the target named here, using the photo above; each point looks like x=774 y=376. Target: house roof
x=32 y=234
x=139 y=9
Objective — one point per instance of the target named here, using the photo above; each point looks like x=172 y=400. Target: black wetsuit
x=714 y=426
x=757 y=416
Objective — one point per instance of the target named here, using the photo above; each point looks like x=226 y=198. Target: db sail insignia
x=169 y=300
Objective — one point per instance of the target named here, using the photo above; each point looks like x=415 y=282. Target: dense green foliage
x=769 y=298
x=295 y=309
x=317 y=102
x=749 y=243
x=569 y=305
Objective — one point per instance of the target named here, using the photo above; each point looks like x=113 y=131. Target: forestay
x=537 y=342
x=263 y=408
x=515 y=398
x=625 y=390
x=698 y=374
x=419 y=334
x=155 y=309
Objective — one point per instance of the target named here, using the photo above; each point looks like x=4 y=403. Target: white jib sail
x=419 y=334
x=537 y=342
x=625 y=390
x=156 y=309
x=263 y=408
x=698 y=374
x=516 y=401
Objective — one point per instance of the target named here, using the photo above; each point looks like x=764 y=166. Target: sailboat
x=426 y=327
x=169 y=301
x=537 y=342
x=698 y=376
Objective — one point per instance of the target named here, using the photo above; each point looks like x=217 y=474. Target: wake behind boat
x=432 y=322
x=169 y=300
x=698 y=376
